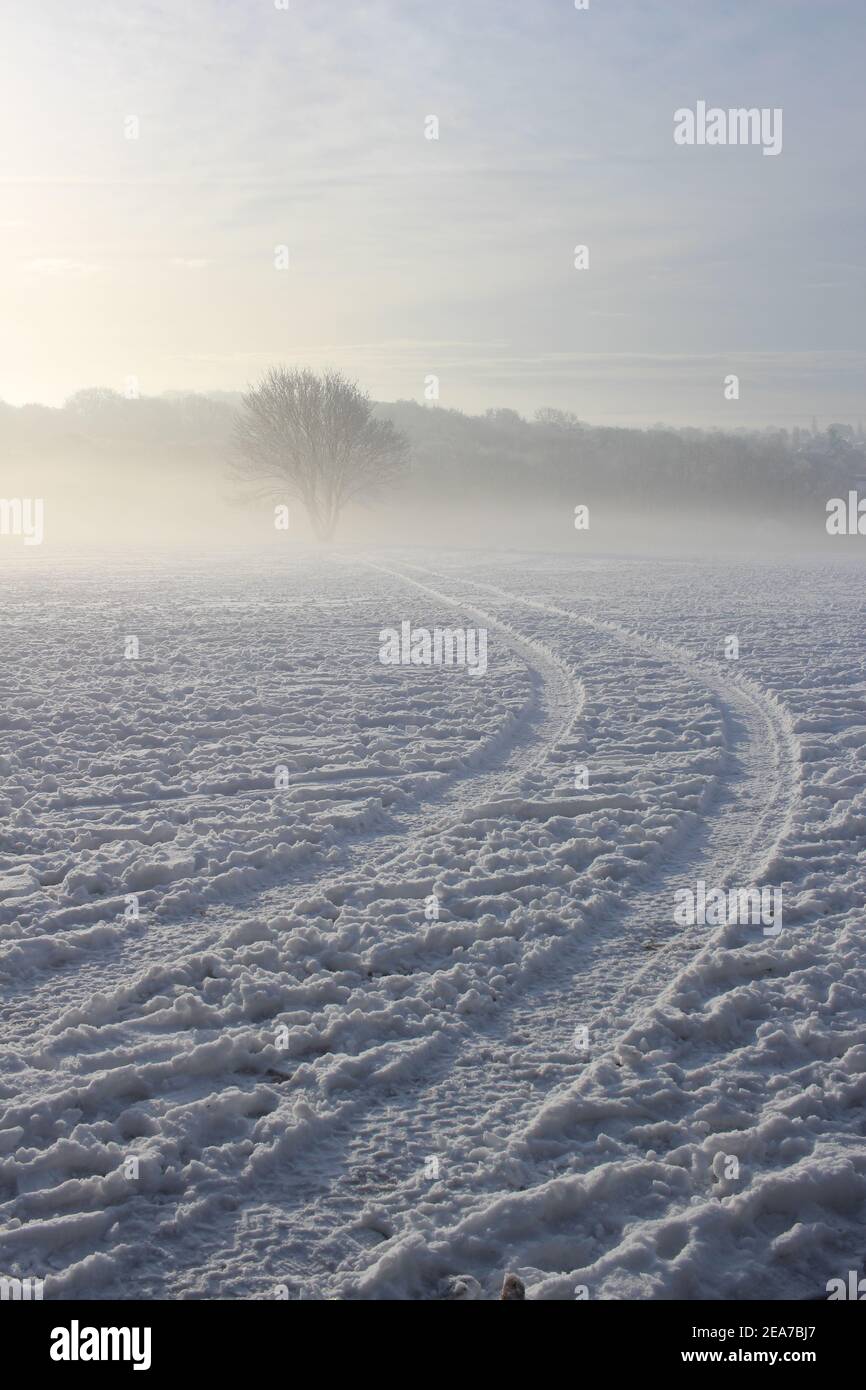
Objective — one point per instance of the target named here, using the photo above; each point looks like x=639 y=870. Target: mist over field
x=114 y=472
x=432 y=672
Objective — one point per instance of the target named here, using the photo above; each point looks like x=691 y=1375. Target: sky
x=153 y=258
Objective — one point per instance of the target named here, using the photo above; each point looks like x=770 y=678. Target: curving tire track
x=771 y=753
x=558 y=699
x=559 y=696
x=476 y=1095
x=779 y=752
x=477 y=1077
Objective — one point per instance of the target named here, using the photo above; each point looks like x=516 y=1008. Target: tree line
x=322 y=437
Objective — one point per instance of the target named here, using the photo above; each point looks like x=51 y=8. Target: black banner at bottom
x=192 y=1337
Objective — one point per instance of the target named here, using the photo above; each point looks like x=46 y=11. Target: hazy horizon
x=722 y=421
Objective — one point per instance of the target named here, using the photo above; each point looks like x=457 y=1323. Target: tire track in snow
x=774 y=748
x=496 y=1083
x=559 y=699
x=510 y=1065
x=98 y=946
x=732 y=854
x=489 y=1089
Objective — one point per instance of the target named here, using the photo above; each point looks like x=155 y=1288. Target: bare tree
x=314 y=438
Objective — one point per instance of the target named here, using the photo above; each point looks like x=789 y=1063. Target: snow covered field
x=417 y=1006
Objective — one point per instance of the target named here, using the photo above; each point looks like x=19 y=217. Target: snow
x=241 y=1059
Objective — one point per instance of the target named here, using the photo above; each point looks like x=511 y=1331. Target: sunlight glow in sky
x=154 y=257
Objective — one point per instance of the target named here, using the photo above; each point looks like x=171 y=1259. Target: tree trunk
x=325 y=530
